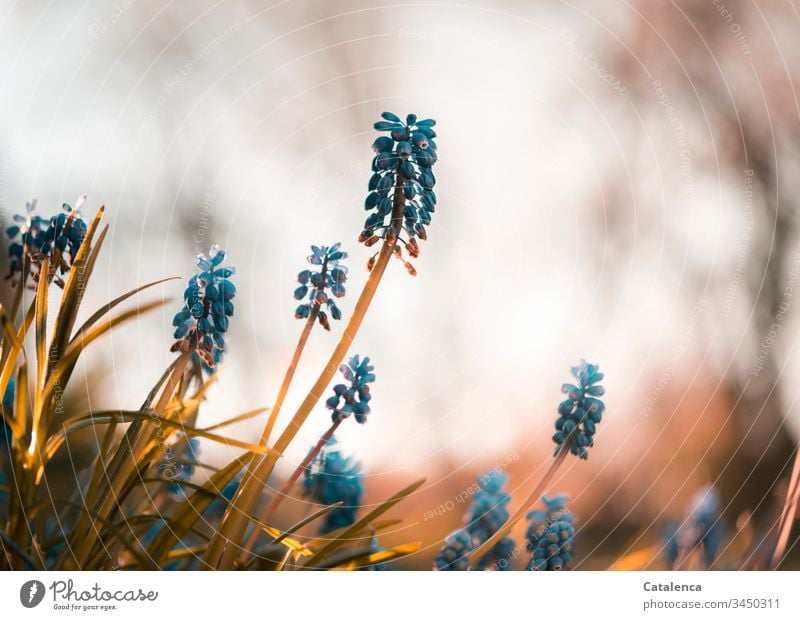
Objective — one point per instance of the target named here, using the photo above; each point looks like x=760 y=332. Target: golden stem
x=222 y=549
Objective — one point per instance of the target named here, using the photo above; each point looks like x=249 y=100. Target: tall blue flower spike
x=330 y=478
x=550 y=535
x=702 y=528
x=201 y=323
x=354 y=398
x=454 y=555
x=318 y=287
x=580 y=413
x=401 y=171
x=33 y=238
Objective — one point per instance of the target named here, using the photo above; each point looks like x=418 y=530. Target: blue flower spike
x=201 y=324
x=486 y=514
x=321 y=285
x=402 y=173
x=489 y=508
x=352 y=399
x=581 y=412
x=32 y=238
x=702 y=529
x=550 y=535
x=454 y=555
x=332 y=478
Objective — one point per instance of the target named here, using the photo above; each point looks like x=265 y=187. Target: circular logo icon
x=31 y=593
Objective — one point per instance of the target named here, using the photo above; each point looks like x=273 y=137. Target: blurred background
x=617 y=182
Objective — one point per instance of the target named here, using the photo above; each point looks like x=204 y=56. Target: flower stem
x=272 y=507
x=221 y=551
x=532 y=498
x=287 y=378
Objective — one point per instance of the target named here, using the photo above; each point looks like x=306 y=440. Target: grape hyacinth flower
x=34 y=238
x=581 y=412
x=402 y=176
x=320 y=287
x=454 y=554
x=701 y=529
x=332 y=478
x=550 y=535
x=353 y=399
x=488 y=510
x=201 y=324
x=486 y=514
x=498 y=557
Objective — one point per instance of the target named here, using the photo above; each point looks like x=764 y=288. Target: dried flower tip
x=410 y=268
x=371 y=263
x=412 y=248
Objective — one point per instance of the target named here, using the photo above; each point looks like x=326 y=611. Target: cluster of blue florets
x=486 y=514
x=550 y=535
x=332 y=478
x=401 y=172
x=319 y=287
x=352 y=399
x=34 y=238
x=201 y=323
x=498 y=557
x=489 y=508
x=581 y=412
x=702 y=529
x=454 y=555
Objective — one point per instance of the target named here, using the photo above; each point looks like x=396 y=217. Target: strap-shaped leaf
x=190 y=510
x=361 y=558
x=351 y=532
x=82 y=267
